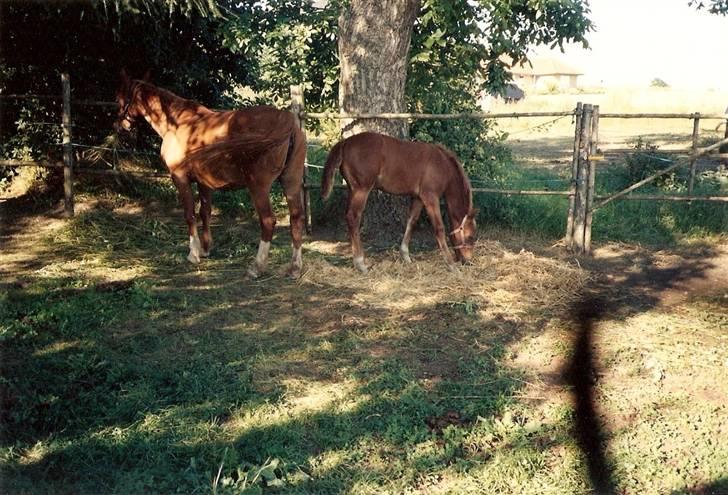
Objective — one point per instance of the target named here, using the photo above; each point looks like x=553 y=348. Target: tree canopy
x=227 y=53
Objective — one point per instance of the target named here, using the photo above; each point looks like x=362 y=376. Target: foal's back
x=395 y=166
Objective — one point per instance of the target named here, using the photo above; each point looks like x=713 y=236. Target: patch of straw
x=498 y=279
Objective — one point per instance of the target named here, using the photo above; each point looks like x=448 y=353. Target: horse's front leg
x=414 y=214
x=261 y=201
x=184 y=190
x=205 y=213
x=432 y=206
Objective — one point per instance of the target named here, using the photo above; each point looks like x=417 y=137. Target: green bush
x=647 y=160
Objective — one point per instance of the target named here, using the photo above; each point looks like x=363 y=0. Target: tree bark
x=374 y=43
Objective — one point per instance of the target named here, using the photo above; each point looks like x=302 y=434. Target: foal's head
x=127 y=97
x=463 y=237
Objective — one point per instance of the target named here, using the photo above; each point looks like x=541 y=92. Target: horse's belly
x=394 y=185
x=224 y=180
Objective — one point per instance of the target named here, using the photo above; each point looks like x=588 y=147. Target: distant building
x=544 y=72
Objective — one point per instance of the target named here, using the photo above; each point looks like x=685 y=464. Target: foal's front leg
x=432 y=206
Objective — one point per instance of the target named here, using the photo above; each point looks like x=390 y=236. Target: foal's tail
x=333 y=162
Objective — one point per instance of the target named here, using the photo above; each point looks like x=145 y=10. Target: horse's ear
x=147 y=75
x=124 y=76
x=473 y=212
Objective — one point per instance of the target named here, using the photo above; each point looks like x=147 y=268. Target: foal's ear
x=124 y=76
x=147 y=75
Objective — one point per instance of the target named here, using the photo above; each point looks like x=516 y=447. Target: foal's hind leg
x=357 y=201
x=432 y=205
x=414 y=214
x=261 y=201
x=205 y=213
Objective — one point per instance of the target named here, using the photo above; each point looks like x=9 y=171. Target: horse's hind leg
x=414 y=214
x=205 y=213
x=432 y=206
x=357 y=201
x=184 y=191
x=261 y=201
x=294 y=197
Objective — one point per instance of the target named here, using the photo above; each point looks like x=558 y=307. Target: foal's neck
x=458 y=199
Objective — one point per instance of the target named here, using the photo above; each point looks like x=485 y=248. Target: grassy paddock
x=126 y=370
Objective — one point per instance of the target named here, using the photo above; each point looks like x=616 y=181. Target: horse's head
x=127 y=97
x=463 y=237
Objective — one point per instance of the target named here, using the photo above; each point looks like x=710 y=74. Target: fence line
x=582 y=198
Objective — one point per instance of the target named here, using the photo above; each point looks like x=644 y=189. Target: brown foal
x=249 y=148
x=421 y=170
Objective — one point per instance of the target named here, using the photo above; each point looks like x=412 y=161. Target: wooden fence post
x=696 y=132
x=67 y=147
x=593 y=144
x=572 y=189
x=724 y=149
x=297 y=107
x=582 y=179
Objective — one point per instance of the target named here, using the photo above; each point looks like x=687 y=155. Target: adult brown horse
x=223 y=150
x=423 y=171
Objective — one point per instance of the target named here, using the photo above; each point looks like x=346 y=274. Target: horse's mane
x=168 y=99
x=460 y=173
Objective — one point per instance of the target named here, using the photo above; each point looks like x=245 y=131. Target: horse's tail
x=296 y=139
x=249 y=146
x=333 y=162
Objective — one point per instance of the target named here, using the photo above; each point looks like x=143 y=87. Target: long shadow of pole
x=580 y=376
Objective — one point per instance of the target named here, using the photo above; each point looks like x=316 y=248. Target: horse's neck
x=165 y=111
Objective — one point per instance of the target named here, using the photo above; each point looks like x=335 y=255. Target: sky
x=636 y=41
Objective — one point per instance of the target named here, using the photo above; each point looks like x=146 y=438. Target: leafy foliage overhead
x=719 y=7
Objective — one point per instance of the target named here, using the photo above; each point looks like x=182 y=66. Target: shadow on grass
x=635 y=293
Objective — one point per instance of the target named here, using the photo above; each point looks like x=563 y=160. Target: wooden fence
x=583 y=201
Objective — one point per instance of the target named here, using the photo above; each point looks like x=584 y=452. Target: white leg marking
x=359 y=264
x=261 y=260
x=296 y=263
x=404 y=251
x=195 y=250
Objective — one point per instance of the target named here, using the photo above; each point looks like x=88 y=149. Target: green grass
x=106 y=392
x=652 y=223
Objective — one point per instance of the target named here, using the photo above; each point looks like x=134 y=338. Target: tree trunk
x=374 y=43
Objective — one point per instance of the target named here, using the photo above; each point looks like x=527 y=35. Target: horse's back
x=261 y=120
x=395 y=165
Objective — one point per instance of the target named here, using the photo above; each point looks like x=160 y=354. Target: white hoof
x=195 y=249
x=254 y=271
x=359 y=264
x=405 y=256
x=294 y=271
